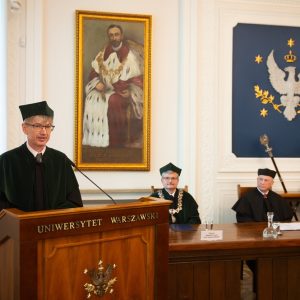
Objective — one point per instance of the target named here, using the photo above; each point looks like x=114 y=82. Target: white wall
x=3 y=83
x=191 y=88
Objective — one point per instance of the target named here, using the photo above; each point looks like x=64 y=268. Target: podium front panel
x=112 y=251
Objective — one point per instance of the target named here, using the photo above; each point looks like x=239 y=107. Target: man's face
x=170 y=180
x=115 y=36
x=264 y=183
x=37 y=137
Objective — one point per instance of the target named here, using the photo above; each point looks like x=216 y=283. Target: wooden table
x=211 y=269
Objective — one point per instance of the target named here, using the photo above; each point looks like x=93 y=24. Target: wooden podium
x=102 y=252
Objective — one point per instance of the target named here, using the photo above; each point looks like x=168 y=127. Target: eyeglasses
x=39 y=127
x=170 y=178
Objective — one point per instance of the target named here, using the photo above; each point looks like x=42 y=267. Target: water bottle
x=270 y=232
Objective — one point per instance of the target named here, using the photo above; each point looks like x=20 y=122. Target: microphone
x=73 y=165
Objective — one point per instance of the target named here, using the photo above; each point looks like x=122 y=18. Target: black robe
x=253 y=207
x=189 y=213
x=17 y=180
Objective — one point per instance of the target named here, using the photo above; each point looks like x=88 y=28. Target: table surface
x=235 y=236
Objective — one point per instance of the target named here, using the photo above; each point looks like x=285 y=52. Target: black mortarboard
x=36 y=109
x=266 y=172
x=170 y=167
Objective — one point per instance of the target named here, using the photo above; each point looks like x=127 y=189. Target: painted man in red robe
x=113 y=109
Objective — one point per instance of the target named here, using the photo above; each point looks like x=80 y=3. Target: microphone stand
x=73 y=165
x=264 y=140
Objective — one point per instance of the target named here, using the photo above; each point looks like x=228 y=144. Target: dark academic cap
x=266 y=172
x=170 y=167
x=36 y=109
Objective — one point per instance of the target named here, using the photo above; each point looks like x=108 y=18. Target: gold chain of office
x=173 y=211
x=109 y=72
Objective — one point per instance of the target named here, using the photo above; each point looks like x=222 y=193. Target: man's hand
x=100 y=87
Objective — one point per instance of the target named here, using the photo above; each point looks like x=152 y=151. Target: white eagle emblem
x=285 y=83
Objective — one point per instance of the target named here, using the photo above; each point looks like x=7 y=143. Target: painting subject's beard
x=116 y=44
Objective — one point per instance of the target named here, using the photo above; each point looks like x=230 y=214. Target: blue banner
x=266 y=90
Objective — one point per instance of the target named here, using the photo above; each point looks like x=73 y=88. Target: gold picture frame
x=113 y=91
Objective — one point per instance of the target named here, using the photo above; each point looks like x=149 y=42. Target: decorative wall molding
x=15 y=6
x=16 y=64
x=206 y=103
x=96 y=197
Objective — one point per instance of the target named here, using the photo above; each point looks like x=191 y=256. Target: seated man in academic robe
x=253 y=207
x=184 y=208
x=34 y=176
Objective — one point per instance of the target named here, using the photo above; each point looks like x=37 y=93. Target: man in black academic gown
x=34 y=176
x=253 y=207
x=184 y=208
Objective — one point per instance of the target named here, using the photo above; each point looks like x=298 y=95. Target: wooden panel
x=28 y=269
x=181 y=282
x=204 y=280
x=65 y=259
x=162 y=256
x=264 y=278
x=293 y=287
x=184 y=281
x=224 y=280
x=232 y=275
x=217 y=280
x=51 y=250
x=201 y=280
x=7 y=290
x=280 y=278
x=172 y=287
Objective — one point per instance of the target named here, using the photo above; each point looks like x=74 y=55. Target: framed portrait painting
x=113 y=91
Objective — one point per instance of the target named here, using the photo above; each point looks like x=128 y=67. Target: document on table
x=211 y=235
x=290 y=226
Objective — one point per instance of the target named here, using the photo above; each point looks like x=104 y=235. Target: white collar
x=117 y=48
x=262 y=192
x=34 y=152
x=173 y=194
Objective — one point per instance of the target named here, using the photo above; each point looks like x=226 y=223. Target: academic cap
x=36 y=109
x=266 y=172
x=170 y=167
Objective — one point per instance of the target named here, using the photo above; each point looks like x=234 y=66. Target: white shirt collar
x=33 y=152
x=173 y=194
x=117 y=48
x=262 y=192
